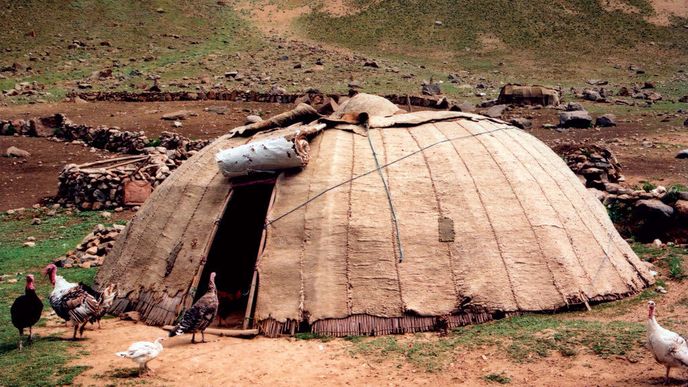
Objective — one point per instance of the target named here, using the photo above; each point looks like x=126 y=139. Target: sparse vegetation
x=500 y=378
x=523 y=339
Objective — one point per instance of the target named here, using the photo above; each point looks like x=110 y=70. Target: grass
x=44 y=362
x=523 y=339
x=669 y=257
x=500 y=378
x=538 y=30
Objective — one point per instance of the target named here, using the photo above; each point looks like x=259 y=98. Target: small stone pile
x=95 y=187
x=30 y=128
x=594 y=162
x=92 y=250
x=112 y=139
x=183 y=145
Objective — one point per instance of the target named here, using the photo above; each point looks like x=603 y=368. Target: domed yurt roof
x=395 y=221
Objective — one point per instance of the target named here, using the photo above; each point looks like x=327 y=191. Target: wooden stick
x=83 y=166
x=224 y=332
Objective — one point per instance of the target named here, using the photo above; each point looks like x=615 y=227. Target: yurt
x=371 y=221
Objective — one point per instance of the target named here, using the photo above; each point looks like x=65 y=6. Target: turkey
x=142 y=352
x=26 y=310
x=71 y=302
x=105 y=300
x=668 y=348
x=200 y=315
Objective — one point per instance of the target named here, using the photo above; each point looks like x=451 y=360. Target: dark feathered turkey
x=26 y=310
x=200 y=315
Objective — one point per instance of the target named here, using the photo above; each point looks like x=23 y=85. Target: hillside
x=122 y=45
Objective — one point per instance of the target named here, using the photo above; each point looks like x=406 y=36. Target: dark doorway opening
x=235 y=249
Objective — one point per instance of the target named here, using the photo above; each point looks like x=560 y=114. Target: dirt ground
x=25 y=182
x=287 y=361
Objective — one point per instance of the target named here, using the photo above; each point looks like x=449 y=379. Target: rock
x=648 y=85
x=252 y=119
x=657 y=242
x=521 y=123
x=685 y=123
x=431 y=89
x=682 y=154
x=623 y=92
x=29 y=244
x=36 y=221
x=660 y=289
x=681 y=208
x=13 y=151
x=683 y=99
x=31 y=239
x=93 y=250
x=606 y=120
x=438 y=23
x=277 y=90
x=575 y=119
x=496 y=111
x=465 y=107
x=654 y=208
x=592 y=95
x=12 y=281
x=177 y=124
x=371 y=63
x=573 y=106
x=106 y=214
x=178 y=115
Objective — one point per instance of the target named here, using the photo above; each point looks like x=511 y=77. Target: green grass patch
x=43 y=363
x=523 y=339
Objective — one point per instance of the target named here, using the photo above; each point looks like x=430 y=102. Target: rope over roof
x=489 y=218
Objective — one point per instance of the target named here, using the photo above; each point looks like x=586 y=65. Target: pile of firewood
x=103 y=184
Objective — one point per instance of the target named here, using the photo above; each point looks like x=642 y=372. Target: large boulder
x=575 y=119
x=496 y=111
x=653 y=209
x=606 y=120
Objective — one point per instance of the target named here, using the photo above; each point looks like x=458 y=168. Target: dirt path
x=282 y=362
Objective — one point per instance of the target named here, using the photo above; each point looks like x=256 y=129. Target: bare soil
x=287 y=361
x=24 y=182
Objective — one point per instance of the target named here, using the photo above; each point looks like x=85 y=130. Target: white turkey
x=200 y=315
x=70 y=301
x=668 y=348
x=142 y=352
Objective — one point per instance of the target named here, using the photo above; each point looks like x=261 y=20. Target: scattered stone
x=681 y=208
x=521 y=123
x=29 y=244
x=36 y=221
x=606 y=120
x=431 y=88
x=465 y=107
x=683 y=99
x=592 y=95
x=252 y=119
x=660 y=289
x=177 y=124
x=31 y=239
x=575 y=119
x=13 y=151
x=685 y=123
x=371 y=63
x=178 y=115
x=106 y=214
x=496 y=111
x=658 y=243
x=573 y=106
